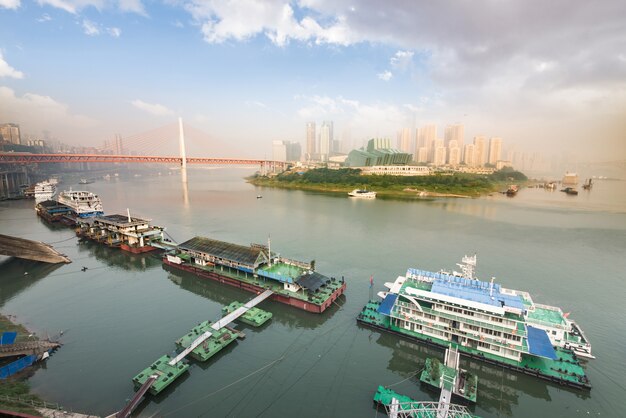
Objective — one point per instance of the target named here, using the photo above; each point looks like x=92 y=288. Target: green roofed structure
x=378 y=152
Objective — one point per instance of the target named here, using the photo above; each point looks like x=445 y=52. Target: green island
x=344 y=180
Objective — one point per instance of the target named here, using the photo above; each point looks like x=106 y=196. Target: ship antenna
x=128 y=211
x=491 y=287
x=269 y=248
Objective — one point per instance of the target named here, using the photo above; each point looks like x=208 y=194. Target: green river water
x=126 y=310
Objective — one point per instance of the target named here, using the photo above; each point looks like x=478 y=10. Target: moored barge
x=255 y=269
x=132 y=234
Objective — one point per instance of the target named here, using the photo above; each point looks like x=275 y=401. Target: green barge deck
x=566 y=371
x=212 y=345
x=254 y=316
x=165 y=373
x=437 y=375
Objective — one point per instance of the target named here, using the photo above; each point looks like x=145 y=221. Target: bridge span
x=26 y=158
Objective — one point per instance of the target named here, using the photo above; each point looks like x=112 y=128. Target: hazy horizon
x=547 y=77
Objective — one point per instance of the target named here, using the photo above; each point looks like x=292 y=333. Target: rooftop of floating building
x=122 y=220
x=224 y=250
x=475 y=291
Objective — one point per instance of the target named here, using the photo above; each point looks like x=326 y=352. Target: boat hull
x=287 y=300
x=137 y=250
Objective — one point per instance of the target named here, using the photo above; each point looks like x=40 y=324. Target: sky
x=544 y=76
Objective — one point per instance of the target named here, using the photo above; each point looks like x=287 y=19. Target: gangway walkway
x=132 y=404
x=221 y=324
x=449 y=382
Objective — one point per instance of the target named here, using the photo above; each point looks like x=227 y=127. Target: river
x=126 y=310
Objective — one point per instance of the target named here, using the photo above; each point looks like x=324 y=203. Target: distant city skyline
x=252 y=72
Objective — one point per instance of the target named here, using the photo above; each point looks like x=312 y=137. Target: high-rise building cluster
x=10 y=132
x=286 y=151
x=452 y=149
x=322 y=144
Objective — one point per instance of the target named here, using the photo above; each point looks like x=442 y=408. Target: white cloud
x=44 y=18
x=90 y=28
x=385 y=75
x=401 y=60
x=134 y=6
x=7 y=71
x=10 y=4
x=75 y=6
x=40 y=112
x=114 y=32
x=221 y=21
x=153 y=108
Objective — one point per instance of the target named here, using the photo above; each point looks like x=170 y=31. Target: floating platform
x=407 y=407
x=211 y=346
x=165 y=374
x=254 y=316
x=565 y=371
x=437 y=375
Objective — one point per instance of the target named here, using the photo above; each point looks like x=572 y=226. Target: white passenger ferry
x=44 y=191
x=479 y=316
x=363 y=194
x=83 y=203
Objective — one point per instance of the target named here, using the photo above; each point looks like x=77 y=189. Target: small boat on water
x=362 y=193
x=512 y=190
x=85 y=181
x=570 y=191
x=587 y=185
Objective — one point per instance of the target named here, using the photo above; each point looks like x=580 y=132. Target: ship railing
x=301 y=264
x=419 y=409
x=464 y=319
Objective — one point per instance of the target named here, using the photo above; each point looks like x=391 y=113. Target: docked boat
x=129 y=233
x=52 y=211
x=85 y=181
x=363 y=194
x=44 y=191
x=512 y=190
x=84 y=204
x=484 y=321
x=255 y=269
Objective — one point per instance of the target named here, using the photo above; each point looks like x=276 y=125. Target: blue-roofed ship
x=257 y=268
x=483 y=320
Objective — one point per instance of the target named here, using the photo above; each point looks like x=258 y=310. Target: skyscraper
x=404 y=140
x=454 y=133
x=480 y=151
x=426 y=136
x=279 y=151
x=326 y=140
x=310 y=140
x=495 y=150
x=454 y=153
x=469 y=155
x=10 y=132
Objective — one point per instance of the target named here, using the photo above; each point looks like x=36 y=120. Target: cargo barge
x=52 y=211
x=255 y=269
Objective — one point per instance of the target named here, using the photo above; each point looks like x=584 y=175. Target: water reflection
x=18 y=275
x=224 y=295
x=114 y=257
x=499 y=389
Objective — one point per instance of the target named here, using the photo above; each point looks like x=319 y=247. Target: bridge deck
x=221 y=324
